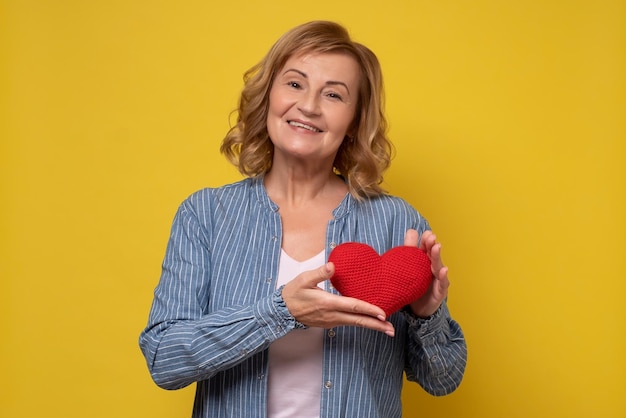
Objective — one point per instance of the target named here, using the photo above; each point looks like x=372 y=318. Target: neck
x=295 y=186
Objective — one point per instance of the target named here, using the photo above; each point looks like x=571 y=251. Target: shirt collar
x=345 y=206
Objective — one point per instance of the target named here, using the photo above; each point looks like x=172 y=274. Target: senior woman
x=244 y=306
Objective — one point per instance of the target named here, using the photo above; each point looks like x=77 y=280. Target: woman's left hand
x=438 y=290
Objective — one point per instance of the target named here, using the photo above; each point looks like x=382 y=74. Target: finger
x=376 y=325
x=435 y=259
x=423 y=238
x=443 y=276
x=427 y=241
x=411 y=238
x=360 y=307
x=365 y=321
x=442 y=283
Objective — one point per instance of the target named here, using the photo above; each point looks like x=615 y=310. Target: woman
x=244 y=306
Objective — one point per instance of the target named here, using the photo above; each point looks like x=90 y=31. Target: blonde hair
x=362 y=159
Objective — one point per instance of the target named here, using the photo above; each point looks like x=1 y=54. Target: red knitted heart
x=391 y=281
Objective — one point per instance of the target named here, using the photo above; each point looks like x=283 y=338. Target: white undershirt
x=295 y=360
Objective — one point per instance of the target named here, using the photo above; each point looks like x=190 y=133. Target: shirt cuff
x=427 y=328
x=274 y=317
x=282 y=307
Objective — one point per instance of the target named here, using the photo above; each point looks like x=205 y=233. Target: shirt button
x=331 y=333
x=274 y=238
x=434 y=358
x=268 y=280
x=328 y=384
x=332 y=245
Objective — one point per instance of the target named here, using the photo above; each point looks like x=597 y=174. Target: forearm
x=437 y=352
x=180 y=352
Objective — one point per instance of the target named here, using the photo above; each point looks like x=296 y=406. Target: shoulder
x=202 y=209
x=393 y=211
x=208 y=201
x=389 y=204
x=209 y=195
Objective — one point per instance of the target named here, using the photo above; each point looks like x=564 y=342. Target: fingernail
x=390 y=333
x=382 y=318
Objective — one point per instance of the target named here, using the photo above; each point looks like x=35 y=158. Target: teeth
x=302 y=125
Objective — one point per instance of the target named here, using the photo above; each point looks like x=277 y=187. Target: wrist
x=422 y=312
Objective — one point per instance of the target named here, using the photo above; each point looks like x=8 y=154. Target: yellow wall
x=508 y=118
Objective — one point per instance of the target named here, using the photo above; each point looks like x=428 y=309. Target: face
x=312 y=106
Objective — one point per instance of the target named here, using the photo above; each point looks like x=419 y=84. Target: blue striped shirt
x=216 y=310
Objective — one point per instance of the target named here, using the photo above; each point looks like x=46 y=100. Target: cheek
x=273 y=112
x=279 y=102
x=272 y=103
x=346 y=121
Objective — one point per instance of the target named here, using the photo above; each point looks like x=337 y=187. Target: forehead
x=336 y=66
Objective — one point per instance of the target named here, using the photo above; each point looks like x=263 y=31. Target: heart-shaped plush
x=391 y=281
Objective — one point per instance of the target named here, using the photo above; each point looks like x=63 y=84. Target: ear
x=353 y=129
x=351 y=132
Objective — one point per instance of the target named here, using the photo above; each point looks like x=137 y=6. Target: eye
x=294 y=84
x=334 y=95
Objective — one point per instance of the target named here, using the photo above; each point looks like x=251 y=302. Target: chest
x=304 y=231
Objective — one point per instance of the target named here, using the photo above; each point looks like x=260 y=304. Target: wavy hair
x=361 y=159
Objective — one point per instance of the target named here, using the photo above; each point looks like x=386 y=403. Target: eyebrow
x=328 y=83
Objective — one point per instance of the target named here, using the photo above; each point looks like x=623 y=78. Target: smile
x=304 y=126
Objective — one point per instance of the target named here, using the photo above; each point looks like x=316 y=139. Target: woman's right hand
x=315 y=307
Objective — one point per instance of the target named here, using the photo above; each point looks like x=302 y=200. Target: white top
x=295 y=360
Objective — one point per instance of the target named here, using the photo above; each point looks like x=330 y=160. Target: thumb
x=327 y=271
x=411 y=238
x=320 y=274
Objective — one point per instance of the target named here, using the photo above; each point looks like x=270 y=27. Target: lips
x=304 y=125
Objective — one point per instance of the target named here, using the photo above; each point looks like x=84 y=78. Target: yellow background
x=508 y=118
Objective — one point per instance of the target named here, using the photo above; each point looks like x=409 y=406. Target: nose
x=309 y=103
